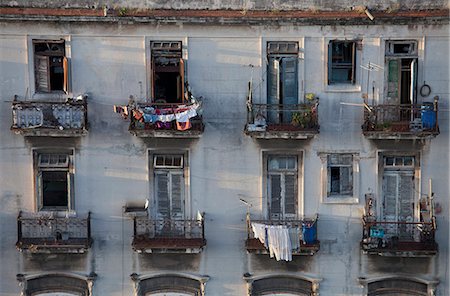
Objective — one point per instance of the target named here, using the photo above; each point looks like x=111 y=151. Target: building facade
x=236 y=148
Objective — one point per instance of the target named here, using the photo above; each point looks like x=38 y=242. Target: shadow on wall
x=395 y=265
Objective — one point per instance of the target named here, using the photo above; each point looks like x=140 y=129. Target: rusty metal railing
x=168 y=228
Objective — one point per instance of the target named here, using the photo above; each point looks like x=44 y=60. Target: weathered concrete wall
x=109 y=63
x=239 y=4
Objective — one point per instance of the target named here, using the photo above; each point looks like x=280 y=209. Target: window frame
x=332 y=65
x=352 y=198
x=182 y=170
x=415 y=168
x=67 y=85
x=182 y=69
x=298 y=191
x=38 y=169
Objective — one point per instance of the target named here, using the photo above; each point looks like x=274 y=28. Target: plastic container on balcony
x=428 y=115
x=309 y=233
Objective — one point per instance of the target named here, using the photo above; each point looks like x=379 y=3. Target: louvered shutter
x=390 y=197
x=346 y=180
x=275 y=196
x=393 y=77
x=181 y=83
x=162 y=195
x=353 y=74
x=289 y=86
x=42 y=73
x=290 y=194
x=273 y=88
x=66 y=74
x=413 y=89
x=177 y=196
x=406 y=198
x=330 y=62
x=39 y=191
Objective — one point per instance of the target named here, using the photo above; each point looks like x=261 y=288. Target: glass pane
x=291 y=162
x=389 y=161
x=273 y=163
x=399 y=161
x=408 y=160
x=55 y=189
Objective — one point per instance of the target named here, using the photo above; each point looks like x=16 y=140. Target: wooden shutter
x=70 y=190
x=162 y=195
x=290 y=195
x=289 y=80
x=66 y=74
x=274 y=196
x=153 y=79
x=346 y=180
x=406 y=197
x=393 y=78
x=273 y=89
x=181 y=83
x=390 y=193
x=39 y=191
x=42 y=73
x=330 y=62
x=177 y=196
x=353 y=62
x=413 y=92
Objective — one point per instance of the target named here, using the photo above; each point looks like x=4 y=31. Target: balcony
x=163 y=120
x=44 y=233
x=50 y=119
x=399 y=239
x=168 y=236
x=270 y=121
x=302 y=234
x=401 y=122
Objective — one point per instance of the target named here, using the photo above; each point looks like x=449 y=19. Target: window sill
x=340 y=200
x=343 y=88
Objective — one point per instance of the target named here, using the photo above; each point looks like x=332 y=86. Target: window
x=169 y=186
x=167 y=72
x=50 y=66
x=282 y=191
x=54 y=179
x=401 y=74
x=340 y=177
x=341 y=62
x=282 y=79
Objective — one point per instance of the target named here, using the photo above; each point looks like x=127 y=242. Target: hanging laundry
x=182 y=126
x=277 y=239
x=122 y=110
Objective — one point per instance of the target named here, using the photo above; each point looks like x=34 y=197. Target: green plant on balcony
x=301 y=119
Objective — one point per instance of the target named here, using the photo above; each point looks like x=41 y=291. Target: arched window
x=169 y=285
x=282 y=285
x=58 y=284
x=399 y=286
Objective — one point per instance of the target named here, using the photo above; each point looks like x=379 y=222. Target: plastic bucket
x=428 y=116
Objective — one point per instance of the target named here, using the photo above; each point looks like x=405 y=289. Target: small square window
x=341 y=62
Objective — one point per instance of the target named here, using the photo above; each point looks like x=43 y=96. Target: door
x=398 y=202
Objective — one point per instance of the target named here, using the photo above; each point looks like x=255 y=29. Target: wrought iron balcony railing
x=54 y=119
x=403 y=239
x=413 y=121
x=304 y=230
x=156 y=235
x=299 y=121
x=167 y=120
x=44 y=233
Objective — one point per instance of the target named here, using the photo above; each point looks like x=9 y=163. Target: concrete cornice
x=232 y=17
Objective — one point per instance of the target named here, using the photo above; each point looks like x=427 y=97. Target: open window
x=50 y=66
x=282 y=186
x=341 y=62
x=401 y=74
x=167 y=72
x=340 y=177
x=282 y=80
x=54 y=181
